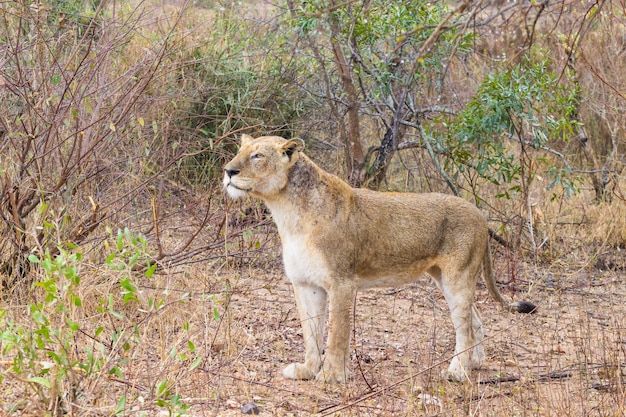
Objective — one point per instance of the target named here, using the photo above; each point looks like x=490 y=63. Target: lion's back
x=403 y=224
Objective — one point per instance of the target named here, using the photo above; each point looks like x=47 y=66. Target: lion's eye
x=256 y=156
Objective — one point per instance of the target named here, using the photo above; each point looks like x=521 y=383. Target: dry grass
x=569 y=359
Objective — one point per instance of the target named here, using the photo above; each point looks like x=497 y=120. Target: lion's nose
x=231 y=172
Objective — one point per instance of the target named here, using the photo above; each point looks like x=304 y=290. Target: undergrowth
x=69 y=343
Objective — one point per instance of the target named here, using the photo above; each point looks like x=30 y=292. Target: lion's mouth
x=235 y=192
x=245 y=190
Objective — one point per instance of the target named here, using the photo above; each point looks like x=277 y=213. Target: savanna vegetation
x=131 y=286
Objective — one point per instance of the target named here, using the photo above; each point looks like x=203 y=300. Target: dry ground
x=566 y=360
x=239 y=318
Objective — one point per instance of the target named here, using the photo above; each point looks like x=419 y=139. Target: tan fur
x=337 y=240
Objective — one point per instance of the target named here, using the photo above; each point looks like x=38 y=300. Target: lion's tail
x=518 y=306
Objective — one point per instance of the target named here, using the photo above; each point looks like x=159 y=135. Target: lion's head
x=261 y=166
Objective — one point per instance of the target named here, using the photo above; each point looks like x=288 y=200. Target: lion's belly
x=307 y=266
x=390 y=277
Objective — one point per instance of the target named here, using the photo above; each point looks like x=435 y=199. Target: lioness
x=337 y=240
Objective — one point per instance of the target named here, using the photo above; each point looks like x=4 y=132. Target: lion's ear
x=245 y=139
x=292 y=146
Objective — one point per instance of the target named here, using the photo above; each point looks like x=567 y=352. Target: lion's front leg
x=341 y=303
x=311 y=302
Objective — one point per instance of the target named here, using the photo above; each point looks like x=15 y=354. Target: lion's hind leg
x=458 y=290
x=311 y=302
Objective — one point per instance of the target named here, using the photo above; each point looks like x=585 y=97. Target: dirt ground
x=568 y=359
x=224 y=330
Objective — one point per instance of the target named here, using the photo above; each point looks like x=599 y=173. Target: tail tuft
x=525 y=307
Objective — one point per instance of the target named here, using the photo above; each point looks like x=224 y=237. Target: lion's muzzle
x=232 y=189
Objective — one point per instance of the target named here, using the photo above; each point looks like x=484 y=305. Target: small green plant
x=41 y=347
x=130 y=255
x=49 y=356
x=171 y=402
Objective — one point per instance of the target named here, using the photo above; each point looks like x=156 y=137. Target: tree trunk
x=355 y=157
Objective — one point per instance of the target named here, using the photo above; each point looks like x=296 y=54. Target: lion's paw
x=455 y=375
x=333 y=375
x=478 y=357
x=298 y=371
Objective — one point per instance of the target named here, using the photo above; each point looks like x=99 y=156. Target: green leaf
x=120 y=241
x=109 y=259
x=72 y=325
x=127 y=284
x=116 y=371
x=151 y=270
x=121 y=404
x=40 y=380
x=76 y=300
x=161 y=388
x=195 y=363
x=115 y=314
x=133 y=259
